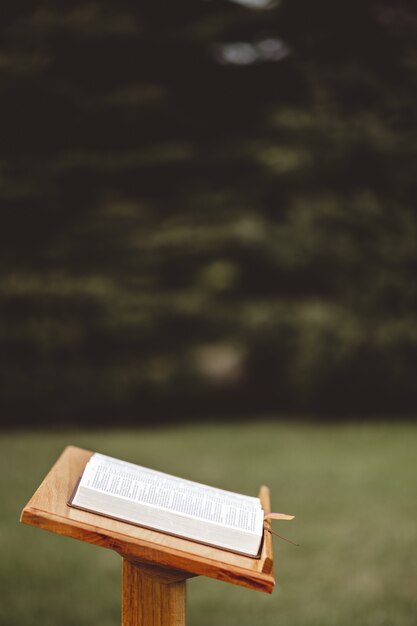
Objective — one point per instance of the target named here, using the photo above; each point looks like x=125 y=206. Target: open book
x=142 y=496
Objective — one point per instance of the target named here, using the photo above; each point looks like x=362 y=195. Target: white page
x=159 y=490
x=157 y=476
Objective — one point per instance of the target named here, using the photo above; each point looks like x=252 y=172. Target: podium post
x=152 y=596
x=155 y=566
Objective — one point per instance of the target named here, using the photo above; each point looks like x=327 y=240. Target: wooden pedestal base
x=152 y=596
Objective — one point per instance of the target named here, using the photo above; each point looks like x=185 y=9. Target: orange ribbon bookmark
x=278 y=516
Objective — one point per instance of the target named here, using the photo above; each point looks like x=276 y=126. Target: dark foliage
x=208 y=209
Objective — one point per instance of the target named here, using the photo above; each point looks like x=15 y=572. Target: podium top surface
x=48 y=509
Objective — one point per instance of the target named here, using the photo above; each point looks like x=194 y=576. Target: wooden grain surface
x=149 y=600
x=48 y=509
x=266 y=556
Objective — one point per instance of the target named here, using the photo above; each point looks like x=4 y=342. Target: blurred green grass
x=351 y=487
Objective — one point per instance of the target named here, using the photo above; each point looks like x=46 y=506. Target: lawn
x=352 y=488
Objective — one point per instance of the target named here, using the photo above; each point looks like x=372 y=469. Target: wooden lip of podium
x=155 y=565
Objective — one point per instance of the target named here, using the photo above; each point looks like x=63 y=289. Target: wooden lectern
x=155 y=565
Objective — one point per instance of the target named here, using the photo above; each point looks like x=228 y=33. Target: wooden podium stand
x=155 y=565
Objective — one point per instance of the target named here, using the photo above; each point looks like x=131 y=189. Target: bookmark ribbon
x=281 y=516
x=281 y=537
x=278 y=516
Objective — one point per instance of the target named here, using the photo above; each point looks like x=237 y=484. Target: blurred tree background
x=208 y=209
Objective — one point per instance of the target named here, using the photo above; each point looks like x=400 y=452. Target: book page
x=156 y=489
